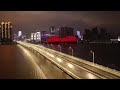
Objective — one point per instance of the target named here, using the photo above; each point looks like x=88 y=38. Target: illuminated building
x=52 y=30
x=67 y=39
x=43 y=34
x=9 y=30
x=6 y=32
x=35 y=36
x=19 y=33
x=38 y=36
x=32 y=36
x=2 y=30
x=78 y=34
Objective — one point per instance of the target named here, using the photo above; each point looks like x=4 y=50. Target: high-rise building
x=19 y=35
x=32 y=36
x=43 y=34
x=65 y=31
x=78 y=34
x=6 y=32
x=38 y=36
x=52 y=30
x=35 y=36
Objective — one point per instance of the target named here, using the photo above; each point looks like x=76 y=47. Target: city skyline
x=30 y=21
x=59 y=45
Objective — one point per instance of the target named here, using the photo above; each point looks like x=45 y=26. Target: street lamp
x=93 y=54
x=52 y=46
x=48 y=45
x=2 y=28
x=60 y=47
x=72 y=50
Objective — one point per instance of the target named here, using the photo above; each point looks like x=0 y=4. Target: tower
x=5 y=32
x=52 y=30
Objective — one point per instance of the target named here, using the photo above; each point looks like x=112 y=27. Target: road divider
x=54 y=54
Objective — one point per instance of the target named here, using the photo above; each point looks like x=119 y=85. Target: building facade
x=36 y=36
x=5 y=32
x=52 y=30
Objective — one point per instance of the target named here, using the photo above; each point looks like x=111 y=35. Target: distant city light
x=38 y=35
x=78 y=34
x=32 y=36
x=118 y=38
x=70 y=65
x=19 y=33
x=90 y=76
x=59 y=59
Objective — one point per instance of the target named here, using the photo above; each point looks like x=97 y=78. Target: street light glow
x=59 y=47
x=70 y=65
x=47 y=53
x=60 y=60
x=51 y=55
x=72 y=50
x=90 y=76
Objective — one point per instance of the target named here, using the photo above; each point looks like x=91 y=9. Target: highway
x=17 y=62
x=29 y=61
x=75 y=67
x=89 y=68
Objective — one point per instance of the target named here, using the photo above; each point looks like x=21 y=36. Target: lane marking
x=33 y=61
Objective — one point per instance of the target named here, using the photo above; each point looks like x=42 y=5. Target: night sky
x=31 y=21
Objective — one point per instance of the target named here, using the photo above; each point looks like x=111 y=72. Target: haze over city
x=29 y=21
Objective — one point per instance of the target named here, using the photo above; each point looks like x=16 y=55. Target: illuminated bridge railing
x=93 y=68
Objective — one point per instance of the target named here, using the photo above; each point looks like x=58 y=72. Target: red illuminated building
x=66 y=39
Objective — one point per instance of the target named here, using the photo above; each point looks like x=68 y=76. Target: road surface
x=17 y=62
x=71 y=66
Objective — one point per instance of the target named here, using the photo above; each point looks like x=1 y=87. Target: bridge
x=74 y=67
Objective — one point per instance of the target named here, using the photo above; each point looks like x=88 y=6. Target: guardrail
x=107 y=69
x=112 y=71
x=32 y=47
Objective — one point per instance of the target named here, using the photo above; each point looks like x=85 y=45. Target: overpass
x=75 y=67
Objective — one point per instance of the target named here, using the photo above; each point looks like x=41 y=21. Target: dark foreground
x=17 y=62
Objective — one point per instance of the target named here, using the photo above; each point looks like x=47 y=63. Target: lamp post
x=93 y=55
x=52 y=46
x=59 y=47
x=72 y=50
x=48 y=45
